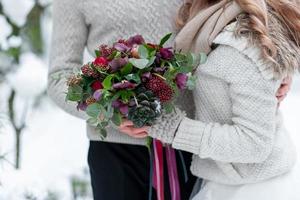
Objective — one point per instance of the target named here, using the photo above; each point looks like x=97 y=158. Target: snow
x=55 y=149
x=30 y=79
x=5 y=31
x=17 y=10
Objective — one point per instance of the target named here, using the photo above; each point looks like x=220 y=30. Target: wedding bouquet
x=131 y=79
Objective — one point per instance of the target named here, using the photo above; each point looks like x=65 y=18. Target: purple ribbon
x=158 y=175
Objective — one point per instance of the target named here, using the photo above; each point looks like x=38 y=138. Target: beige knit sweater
x=238 y=136
x=80 y=24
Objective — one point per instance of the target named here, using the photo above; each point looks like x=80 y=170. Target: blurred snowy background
x=42 y=149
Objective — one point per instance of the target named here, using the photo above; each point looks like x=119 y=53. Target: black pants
x=121 y=172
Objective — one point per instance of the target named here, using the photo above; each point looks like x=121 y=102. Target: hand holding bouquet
x=131 y=79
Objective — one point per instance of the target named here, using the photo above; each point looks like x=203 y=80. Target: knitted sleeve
x=249 y=138
x=68 y=42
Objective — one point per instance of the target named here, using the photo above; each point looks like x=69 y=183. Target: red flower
x=97 y=85
x=100 y=61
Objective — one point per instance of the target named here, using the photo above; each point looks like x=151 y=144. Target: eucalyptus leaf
x=93 y=110
x=139 y=63
x=143 y=52
x=92 y=121
x=203 y=58
x=151 y=61
x=133 y=77
x=74 y=93
x=191 y=83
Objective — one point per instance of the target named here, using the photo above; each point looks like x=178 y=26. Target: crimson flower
x=100 y=61
x=97 y=85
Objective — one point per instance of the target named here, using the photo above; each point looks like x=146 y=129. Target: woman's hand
x=128 y=128
x=284 y=89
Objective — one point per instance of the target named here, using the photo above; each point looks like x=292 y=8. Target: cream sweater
x=238 y=136
x=80 y=24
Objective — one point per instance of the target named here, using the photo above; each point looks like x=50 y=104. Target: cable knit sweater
x=89 y=23
x=238 y=136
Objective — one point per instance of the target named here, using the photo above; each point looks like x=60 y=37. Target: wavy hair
x=255 y=20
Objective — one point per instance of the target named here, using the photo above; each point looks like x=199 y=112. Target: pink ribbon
x=158 y=171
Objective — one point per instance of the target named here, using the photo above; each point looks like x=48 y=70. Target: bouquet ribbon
x=158 y=171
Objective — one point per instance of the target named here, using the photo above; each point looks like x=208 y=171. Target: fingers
x=128 y=128
x=126 y=123
x=283 y=90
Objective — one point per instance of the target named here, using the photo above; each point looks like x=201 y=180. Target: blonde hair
x=255 y=20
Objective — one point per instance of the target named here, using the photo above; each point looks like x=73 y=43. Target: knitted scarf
x=198 y=34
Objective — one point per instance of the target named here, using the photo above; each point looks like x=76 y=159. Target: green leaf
x=151 y=61
x=127 y=69
x=117 y=118
x=149 y=143
x=92 y=121
x=191 y=83
x=97 y=53
x=126 y=95
x=107 y=82
x=74 y=93
x=103 y=133
x=203 y=58
x=143 y=51
x=165 y=39
x=94 y=110
x=169 y=107
x=139 y=63
x=133 y=77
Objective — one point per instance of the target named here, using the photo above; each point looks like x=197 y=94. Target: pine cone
x=147 y=110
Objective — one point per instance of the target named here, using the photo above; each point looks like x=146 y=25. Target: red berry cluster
x=160 y=88
x=105 y=50
x=88 y=71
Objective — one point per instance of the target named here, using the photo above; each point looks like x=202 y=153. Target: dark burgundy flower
x=181 y=80
x=159 y=70
x=100 y=61
x=166 y=53
x=124 y=85
x=82 y=106
x=121 y=47
x=117 y=64
x=123 y=108
x=137 y=39
x=146 y=76
x=97 y=85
